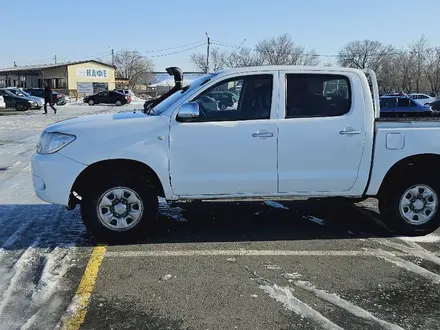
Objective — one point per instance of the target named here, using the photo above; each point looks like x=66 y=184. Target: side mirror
x=188 y=111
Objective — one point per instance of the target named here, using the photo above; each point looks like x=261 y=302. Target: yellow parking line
x=85 y=289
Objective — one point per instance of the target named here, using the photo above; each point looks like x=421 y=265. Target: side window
x=422 y=97
x=317 y=95
x=239 y=98
x=388 y=103
x=403 y=103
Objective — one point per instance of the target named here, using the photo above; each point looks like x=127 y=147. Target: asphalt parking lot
x=259 y=266
x=290 y=264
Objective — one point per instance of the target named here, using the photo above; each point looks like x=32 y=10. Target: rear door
x=322 y=133
x=113 y=97
x=407 y=106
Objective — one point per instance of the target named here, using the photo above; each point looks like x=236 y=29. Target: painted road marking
x=407 y=265
x=78 y=308
x=243 y=252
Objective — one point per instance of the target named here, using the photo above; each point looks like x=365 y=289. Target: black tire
x=118 y=103
x=20 y=107
x=146 y=224
x=91 y=102
x=389 y=205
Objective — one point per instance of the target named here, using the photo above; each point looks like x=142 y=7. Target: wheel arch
x=103 y=168
x=421 y=162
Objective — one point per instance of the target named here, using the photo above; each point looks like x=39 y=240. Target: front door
x=322 y=133
x=228 y=151
x=102 y=97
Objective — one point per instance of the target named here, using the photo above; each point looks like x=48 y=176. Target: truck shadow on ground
x=260 y=221
x=48 y=226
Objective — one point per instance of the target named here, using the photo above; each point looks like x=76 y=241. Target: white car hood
x=120 y=135
x=96 y=122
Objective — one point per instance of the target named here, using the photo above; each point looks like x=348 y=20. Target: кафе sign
x=92 y=73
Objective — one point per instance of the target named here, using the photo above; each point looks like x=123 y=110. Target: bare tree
x=282 y=50
x=361 y=54
x=418 y=51
x=273 y=51
x=242 y=57
x=216 y=60
x=131 y=63
x=432 y=68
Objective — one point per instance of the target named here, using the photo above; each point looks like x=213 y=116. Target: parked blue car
x=393 y=106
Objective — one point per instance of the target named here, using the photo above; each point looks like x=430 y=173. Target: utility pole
x=207 y=52
x=113 y=55
x=55 y=58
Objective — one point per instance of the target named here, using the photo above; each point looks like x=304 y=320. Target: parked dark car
x=107 y=97
x=59 y=99
x=21 y=93
x=402 y=106
x=19 y=103
x=435 y=105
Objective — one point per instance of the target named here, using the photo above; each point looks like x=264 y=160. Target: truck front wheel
x=119 y=210
x=411 y=206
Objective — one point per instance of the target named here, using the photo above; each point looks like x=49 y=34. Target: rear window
x=317 y=95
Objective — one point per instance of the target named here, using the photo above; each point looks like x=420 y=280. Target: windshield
x=165 y=104
x=16 y=92
x=8 y=92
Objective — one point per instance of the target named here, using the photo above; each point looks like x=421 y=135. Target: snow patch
x=170 y=211
x=290 y=302
x=272 y=267
x=276 y=205
x=166 y=277
x=290 y=277
x=430 y=238
x=315 y=220
x=344 y=304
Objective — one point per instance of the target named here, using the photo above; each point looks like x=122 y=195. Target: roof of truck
x=288 y=67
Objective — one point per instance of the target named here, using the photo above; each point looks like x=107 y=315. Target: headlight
x=50 y=143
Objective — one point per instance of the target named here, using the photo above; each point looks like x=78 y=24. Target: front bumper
x=34 y=106
x=53 y=177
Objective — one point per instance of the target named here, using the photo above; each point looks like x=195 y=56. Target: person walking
x=48 y=98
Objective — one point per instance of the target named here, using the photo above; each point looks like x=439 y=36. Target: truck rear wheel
x=411 y=206
x=120 y=210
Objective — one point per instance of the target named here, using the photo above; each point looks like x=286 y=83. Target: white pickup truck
x=294 y=131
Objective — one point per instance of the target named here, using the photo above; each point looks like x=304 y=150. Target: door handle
x=263 y=134
x=351 y=132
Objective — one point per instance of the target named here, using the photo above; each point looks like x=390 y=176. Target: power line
x=180 y=51
x=169 y=48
